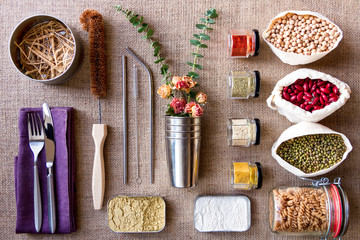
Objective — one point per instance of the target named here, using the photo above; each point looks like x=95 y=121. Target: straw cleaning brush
x=92 y=22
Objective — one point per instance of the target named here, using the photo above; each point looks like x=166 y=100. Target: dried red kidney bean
x=311 y=94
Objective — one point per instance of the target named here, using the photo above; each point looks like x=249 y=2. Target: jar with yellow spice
x=245 y=176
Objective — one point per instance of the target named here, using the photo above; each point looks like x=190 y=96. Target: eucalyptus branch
x=137 y=22
x=210 y=16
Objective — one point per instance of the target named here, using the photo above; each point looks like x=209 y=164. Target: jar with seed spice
x=318 y=210
x=243 y=43
x=243 y=132
x=243 y=84
x=245 y=176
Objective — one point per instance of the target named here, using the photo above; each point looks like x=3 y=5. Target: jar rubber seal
x=337 y=210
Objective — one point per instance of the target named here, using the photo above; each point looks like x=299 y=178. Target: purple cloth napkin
x=64 y=175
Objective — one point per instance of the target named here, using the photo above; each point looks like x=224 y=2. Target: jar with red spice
x=243 y=43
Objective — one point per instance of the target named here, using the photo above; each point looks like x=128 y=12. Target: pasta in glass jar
x=320 y=210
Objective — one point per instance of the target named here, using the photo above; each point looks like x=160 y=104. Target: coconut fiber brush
x=92 y=22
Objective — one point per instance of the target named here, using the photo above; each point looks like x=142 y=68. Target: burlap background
x=173 y=22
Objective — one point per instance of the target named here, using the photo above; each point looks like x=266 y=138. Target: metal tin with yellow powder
x=245 y=176
x=136 y=214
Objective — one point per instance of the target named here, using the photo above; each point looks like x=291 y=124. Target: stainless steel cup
x=183 y=136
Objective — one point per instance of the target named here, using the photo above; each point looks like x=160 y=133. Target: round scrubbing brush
x=92 y=22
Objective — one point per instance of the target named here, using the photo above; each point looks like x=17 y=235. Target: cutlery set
x=41 y=133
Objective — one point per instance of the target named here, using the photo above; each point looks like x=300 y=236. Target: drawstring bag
x=296 y=58
x=296 y=114
x=303 y=129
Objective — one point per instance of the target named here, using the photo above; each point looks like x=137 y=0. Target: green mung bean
x=312 y=153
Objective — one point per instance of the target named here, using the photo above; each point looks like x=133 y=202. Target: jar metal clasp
x=323 y=181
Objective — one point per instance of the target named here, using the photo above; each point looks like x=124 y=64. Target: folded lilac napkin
x=64 y=175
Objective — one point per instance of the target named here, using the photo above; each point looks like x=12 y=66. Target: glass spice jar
x=243 y=132
x=319 y=210
x=245 y=176
x=243 y=84
x=243 y=43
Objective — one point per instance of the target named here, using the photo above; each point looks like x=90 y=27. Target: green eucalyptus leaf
x=203 y=20
x=159 y=60
x=157 y=48
x=197 y=54
x=198 y=66
x=196 y=36
x=141 y=20
x=154 y=44
x=213 y=15
x=203 y=46
x=133 y=18
x=210 y=21
x=145 y=25
x=193 y=75
x=209 y=29
x=136 y=23
x=190 y=64
x=141 y=29
x=204 y=36
x=150 y=32
x=195 y=42
x=201 y=26
x=164 y=69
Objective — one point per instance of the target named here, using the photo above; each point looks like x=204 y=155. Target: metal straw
x=124 y=70
x=136 y=95
x=151 y=114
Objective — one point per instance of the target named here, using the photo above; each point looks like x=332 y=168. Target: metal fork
x=36 y=142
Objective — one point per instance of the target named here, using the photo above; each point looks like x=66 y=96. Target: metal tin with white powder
x=222 y=213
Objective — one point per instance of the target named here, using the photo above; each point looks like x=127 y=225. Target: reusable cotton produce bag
x=295 y=58
x=296 y=114
x=303 y=129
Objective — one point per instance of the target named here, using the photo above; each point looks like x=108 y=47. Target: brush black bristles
x=92 y=22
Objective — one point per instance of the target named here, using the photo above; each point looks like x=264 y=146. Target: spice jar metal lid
x=260 y=176
x=257 y=42
x=257 y=84
x=257 y=123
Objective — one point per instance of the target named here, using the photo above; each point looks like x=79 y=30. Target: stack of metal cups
x=183 y=137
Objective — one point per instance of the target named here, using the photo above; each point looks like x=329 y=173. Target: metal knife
x=50 y=157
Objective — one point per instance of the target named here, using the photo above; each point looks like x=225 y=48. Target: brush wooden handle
x=99 y=133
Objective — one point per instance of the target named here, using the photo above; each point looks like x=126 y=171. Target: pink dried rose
x=183 y=85
x=201 y=97
x=175 y=80
x=178 y=104
x=188 y=107
x=164 y=91
x=189 y=80
x=197 y=111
